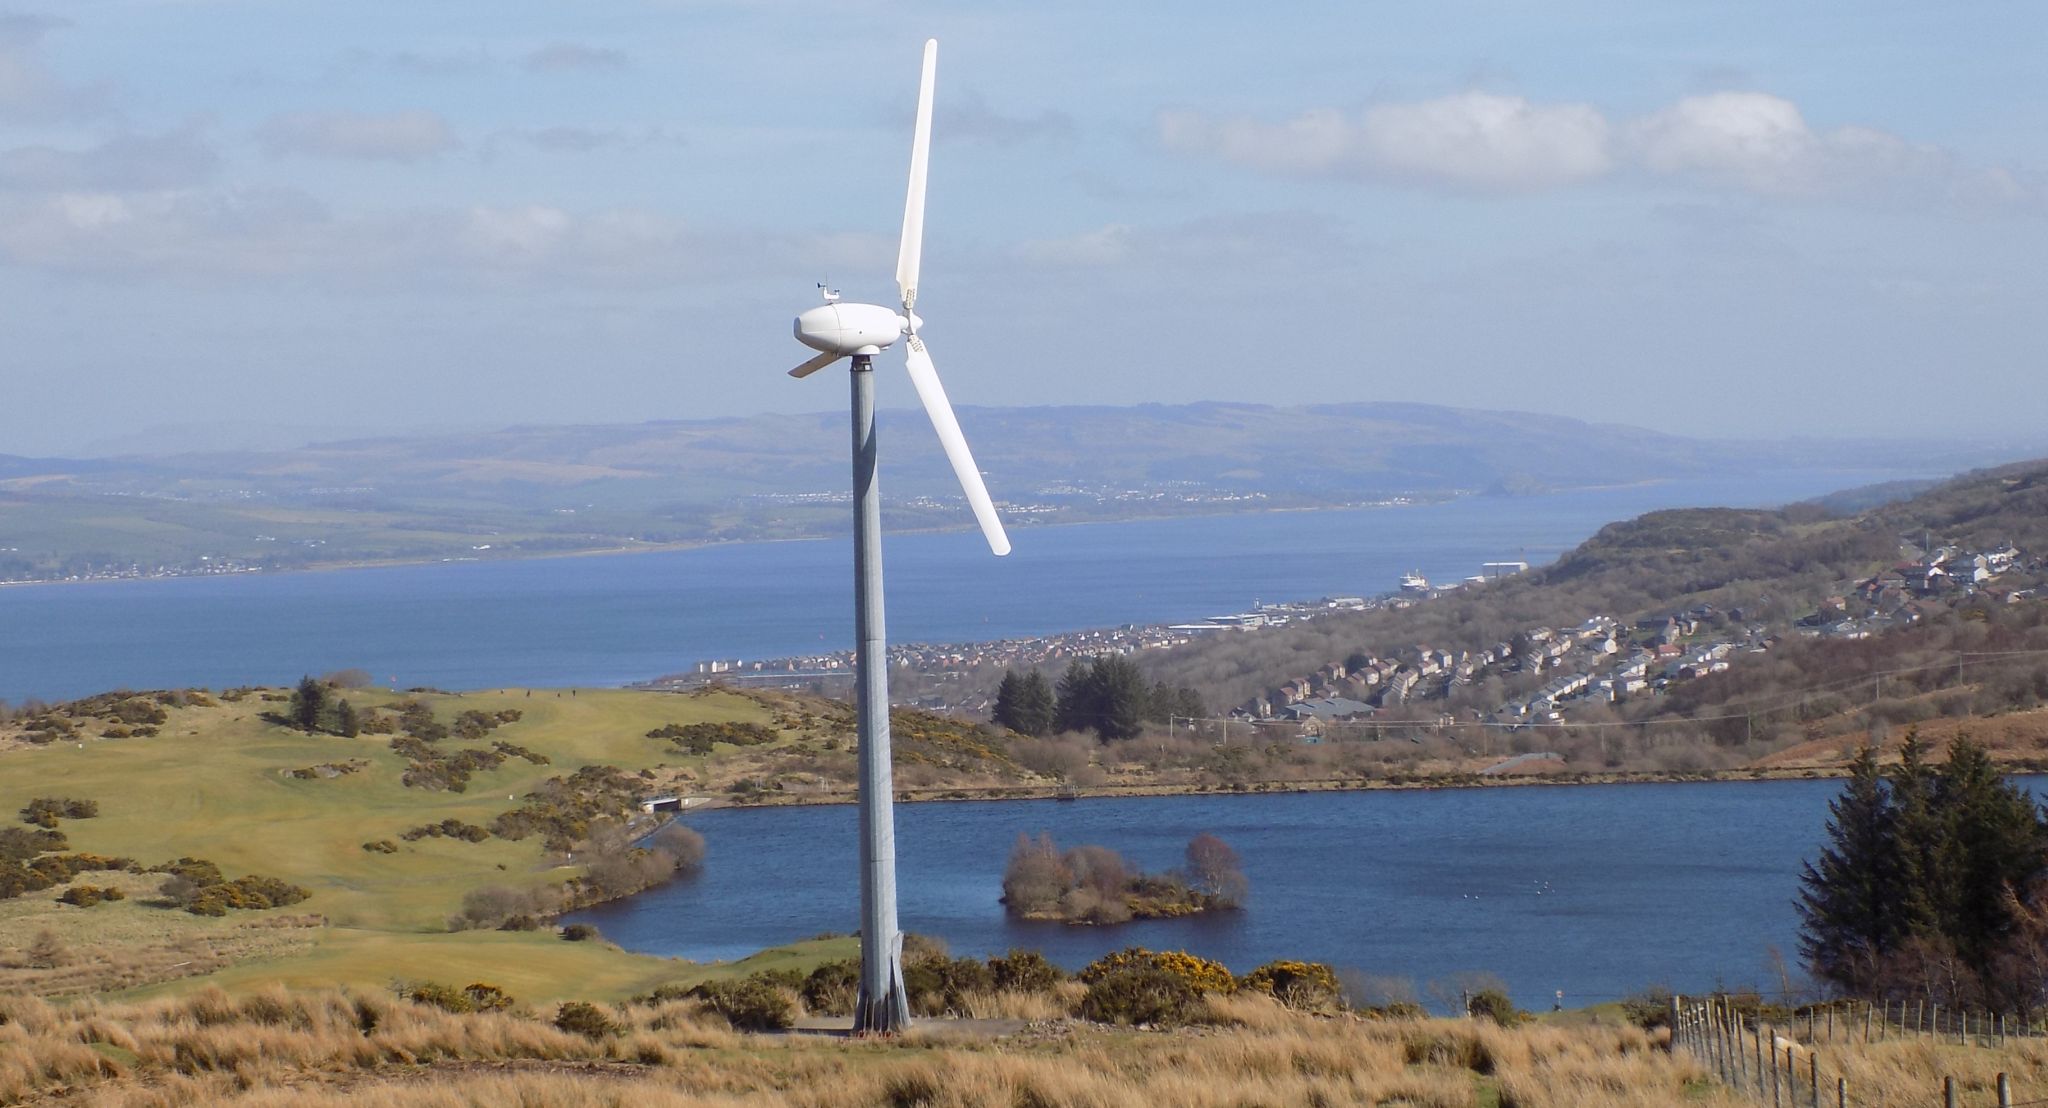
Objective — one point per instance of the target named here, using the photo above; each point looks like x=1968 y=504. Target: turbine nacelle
x=845 y=329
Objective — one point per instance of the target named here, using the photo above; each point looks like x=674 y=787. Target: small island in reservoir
x=1094 y=884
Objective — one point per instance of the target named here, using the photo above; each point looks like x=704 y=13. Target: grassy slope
x=212 y=786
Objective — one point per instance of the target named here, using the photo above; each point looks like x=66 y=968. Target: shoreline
x=985 y=794
x=702 y=544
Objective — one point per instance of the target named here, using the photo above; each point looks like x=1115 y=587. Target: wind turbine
x=860 y=331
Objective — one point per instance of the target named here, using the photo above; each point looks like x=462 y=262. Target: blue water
x=612 y=620
x=1595 y=890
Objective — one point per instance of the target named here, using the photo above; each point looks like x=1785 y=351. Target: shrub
x=1495 y=1005
x=1649 y=1009
x=495 y=905
x=19 y=844
x=579 y=932
x=936 y=986
x=1303 y=986
x=85 y=896
x=587 y=1020
x=747 y=1004
x=832 y=988
x=48 y=951
x=696 y=738
x=487 y=997
x=381 y=846
x=1025 y=971
x=1139 y=994
x=1199 y=974
x=449 y=828
x=45 y=811
x=682 y=844
x=448 y=998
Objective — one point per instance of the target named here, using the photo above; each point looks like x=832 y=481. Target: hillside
x=541 y=490
x=416 y=845
x=1706 y=639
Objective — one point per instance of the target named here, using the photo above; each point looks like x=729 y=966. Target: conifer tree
x=1848 y=901
x=1005 y=711
x=308 y=700
x=1996 y=844
x=1921 y=845
x=1077 y=707
x=1035 y=706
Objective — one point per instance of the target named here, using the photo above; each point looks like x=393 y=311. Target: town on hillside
x=1553 y=672
x=1604 y=660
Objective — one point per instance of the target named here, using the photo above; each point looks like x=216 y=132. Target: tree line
x=1106 y=694
x=1930 y=884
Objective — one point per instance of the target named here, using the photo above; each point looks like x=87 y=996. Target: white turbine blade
x=911 y=251
x=926 y=378
x=814 y=365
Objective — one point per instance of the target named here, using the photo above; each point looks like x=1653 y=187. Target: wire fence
x=1797 y=1064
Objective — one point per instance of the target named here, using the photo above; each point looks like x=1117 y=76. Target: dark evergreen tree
x=1123 y=695
x=1848 y=902
x=346 y=721
x=1996 y=844
x=1078 y=706
x=1920 y=844
x=1005 y=712
x=1035 y=705
x=308 y=701
x=1107 y=696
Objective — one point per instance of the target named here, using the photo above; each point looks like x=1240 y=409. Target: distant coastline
x=345 y=564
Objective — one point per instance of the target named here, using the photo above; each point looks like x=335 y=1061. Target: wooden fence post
x=1773 y=1035
x=1757 y=1033
x=1948 y=1092
x=1866 y=1021
x=1841 y=1092
x=1813 y=1076
x=2004 y=1091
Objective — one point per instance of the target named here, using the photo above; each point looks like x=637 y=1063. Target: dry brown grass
x=277 y=1048
x=1909 y=1070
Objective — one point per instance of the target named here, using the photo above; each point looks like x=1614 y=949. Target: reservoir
x=1594 y=890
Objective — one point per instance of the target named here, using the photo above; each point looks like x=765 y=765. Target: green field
x=215 y=784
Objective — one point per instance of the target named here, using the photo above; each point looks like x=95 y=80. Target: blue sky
x=245 y=221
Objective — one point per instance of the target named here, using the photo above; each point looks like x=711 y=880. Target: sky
x=226 y=222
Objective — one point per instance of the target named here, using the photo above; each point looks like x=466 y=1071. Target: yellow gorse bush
x=1200 y=974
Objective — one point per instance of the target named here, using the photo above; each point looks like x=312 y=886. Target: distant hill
x=1823 y=628
x=552 y=489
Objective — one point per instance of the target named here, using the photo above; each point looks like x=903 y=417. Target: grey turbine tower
x=860 y=331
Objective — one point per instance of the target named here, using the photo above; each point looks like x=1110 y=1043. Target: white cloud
x=29 y=92
x=1108 y=245
x=242 y=234
x=569 y=57
x=1240 y=242
x=122 y=163
x=1470 y=140
x=1749 y=141
x=398 y=137
x=969 y=116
